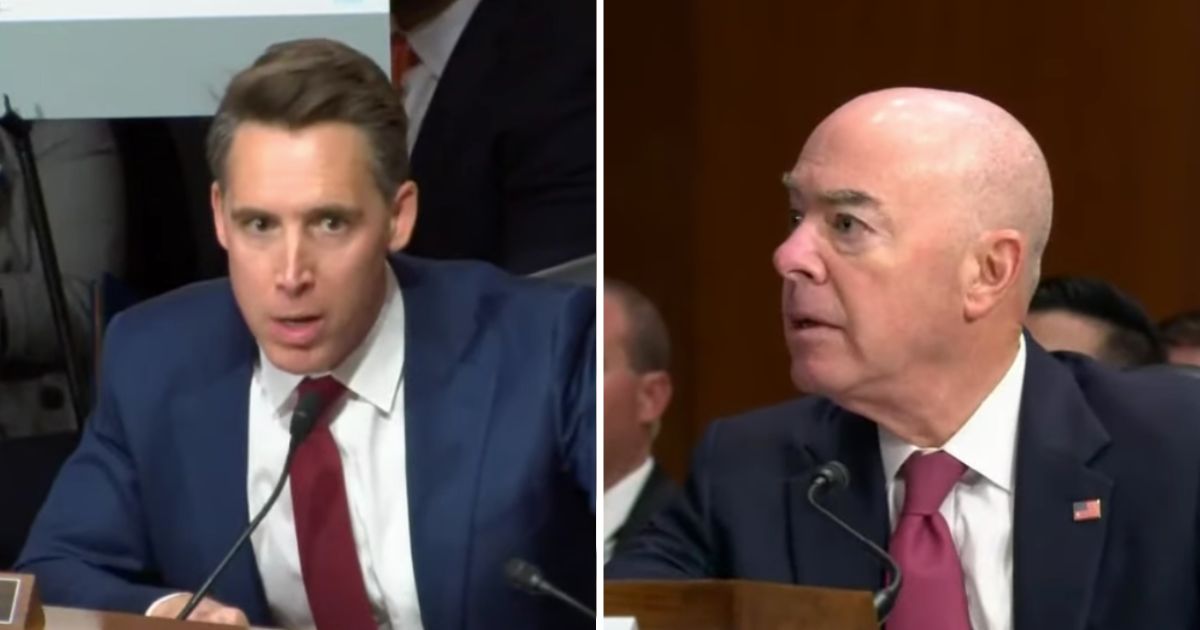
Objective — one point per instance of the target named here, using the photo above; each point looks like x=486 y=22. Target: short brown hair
x=648 y=344
x=304 y=82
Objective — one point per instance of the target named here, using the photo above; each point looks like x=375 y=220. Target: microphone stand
x=19 y=129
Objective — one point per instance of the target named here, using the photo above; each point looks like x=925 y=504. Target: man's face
x=307 y=232
x=1058 y=329
x=624 y=432
x=872 y=267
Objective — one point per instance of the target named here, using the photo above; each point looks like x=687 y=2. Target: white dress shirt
x=979 y=509
x=369 y=432
x=619 y=501
x=433 y=41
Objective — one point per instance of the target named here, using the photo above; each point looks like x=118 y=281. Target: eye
x=845 y=223
x=333 y=223
x=795 y=218
x=257 y=224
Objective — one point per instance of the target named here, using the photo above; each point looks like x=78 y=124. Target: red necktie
x=333 y=579
x=403 y=58
x=932 y=596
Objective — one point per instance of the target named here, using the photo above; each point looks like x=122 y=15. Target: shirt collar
x=620 y=499
x=987 y=443
x=374 y=369
x=434 y=39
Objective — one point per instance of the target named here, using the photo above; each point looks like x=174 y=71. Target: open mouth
x=298 y=321
x=299 y=330
x=808 y=324
x=804 y=323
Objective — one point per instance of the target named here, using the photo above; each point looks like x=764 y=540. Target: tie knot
x=928 y=478
x=327 y=391
x=404 y=57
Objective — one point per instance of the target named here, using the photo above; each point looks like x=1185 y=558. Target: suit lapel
x=450 y=369
x=657 y=492
x=213 y=445
x=823 y=554
x=1056 y=559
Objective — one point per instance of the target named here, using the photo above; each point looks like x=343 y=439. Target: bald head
x=952 y=145
x=918 y=220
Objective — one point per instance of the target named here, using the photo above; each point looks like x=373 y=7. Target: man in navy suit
x=1014 y=487
x=457 y=425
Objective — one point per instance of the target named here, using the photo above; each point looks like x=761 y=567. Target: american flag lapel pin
x=1086 y=510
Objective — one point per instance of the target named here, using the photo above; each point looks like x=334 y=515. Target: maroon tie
x=333 y=579
x=404 y=58
x=932 y=596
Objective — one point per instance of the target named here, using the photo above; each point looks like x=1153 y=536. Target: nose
x=294 y=274
x=799 y=255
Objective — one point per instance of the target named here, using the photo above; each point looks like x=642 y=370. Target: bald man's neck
x=933 y=403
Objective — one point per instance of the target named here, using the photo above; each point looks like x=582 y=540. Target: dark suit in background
x=506 y=155
x=657 y=494
x=1085 y=432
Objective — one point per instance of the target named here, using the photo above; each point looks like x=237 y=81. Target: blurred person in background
x=1093 y=317
x=1181 y=335
x=637 y=391
x=501 y=95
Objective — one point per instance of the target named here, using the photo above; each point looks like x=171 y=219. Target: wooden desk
x=738 y=605
x=72 y=619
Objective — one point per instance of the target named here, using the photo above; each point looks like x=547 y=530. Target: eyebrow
x=250 y=212
x=839 y=197
x=848 y=197
x=845 y=198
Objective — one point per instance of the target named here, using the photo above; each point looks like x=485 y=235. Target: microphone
x=304 y=419
x=529 y=578
x=832 y=477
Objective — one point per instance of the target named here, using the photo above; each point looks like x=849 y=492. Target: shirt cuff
x=162 y=599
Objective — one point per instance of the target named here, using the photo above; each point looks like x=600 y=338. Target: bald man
x=637 y=390
x=1015 y=488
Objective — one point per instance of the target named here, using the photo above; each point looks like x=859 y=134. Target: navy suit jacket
x=1131 y=440
x=500 y=421
x=506 y=155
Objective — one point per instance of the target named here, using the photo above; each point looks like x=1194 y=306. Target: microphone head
x=523 y=575
x=308 y=409
x=834 y=474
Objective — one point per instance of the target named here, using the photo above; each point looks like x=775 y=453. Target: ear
x=216 y=199
x=654 y=394
x=402 y=216
x=994 y=267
